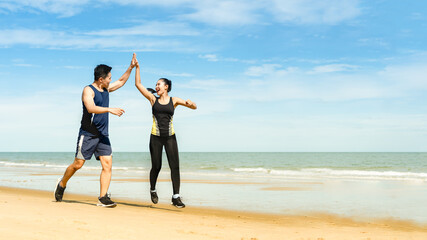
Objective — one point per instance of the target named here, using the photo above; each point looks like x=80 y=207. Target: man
x=93 y=134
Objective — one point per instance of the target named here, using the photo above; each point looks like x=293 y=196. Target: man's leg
x=69 y=172
x=62 y=182
x=104 y=154
x=106 y=162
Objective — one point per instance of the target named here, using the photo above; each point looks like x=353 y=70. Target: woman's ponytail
x=151 y=90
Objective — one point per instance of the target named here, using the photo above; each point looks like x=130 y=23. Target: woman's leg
x=156 y=147
x=171 y=148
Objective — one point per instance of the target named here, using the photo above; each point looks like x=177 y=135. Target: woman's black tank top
x=163 y=119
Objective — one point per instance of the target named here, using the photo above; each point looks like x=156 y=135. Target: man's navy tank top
x=163 y=119
x=96 y=124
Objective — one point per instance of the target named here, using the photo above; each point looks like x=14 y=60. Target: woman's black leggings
x=156 y=148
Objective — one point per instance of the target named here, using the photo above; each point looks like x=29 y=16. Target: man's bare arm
x=123 y=79
x=87 y=98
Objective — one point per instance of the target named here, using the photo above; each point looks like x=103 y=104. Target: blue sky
x=268 y=75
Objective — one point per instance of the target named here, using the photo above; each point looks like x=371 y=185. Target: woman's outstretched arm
x=147 y=94
x=186 y=103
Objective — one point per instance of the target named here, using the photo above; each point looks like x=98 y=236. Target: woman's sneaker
x=105 y=201
x=59 y=191
x=177 y=202
x=154 y=197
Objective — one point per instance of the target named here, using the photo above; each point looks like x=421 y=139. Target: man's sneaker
x=105 y=201
x=154 y=197
x=177 y=202
x=59 y=191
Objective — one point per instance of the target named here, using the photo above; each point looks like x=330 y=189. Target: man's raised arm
x=123 y=79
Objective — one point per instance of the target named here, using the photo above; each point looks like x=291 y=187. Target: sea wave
x=55 y=166
x=16 y=164
x=334 y=173
x=206 y=170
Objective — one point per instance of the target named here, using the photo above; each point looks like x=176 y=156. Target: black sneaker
x=154 y=197
x=59 y=191
x=177 y=202
x=105 y=201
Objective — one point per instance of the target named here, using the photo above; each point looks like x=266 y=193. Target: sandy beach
x=33 y=214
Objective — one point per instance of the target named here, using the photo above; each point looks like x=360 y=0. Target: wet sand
x=33 y=214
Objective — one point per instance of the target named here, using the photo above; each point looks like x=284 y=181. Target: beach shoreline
x=33 y=214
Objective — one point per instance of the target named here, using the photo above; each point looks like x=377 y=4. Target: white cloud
x=8 y=6
x=22 y=63
x=150 y=29
x=268 y=70
x=207 y=84
x=73 y=67
x=314 y=12
x=63 y=8
x=407 y=77
x=166 y=73
x=327 y=83
x=180 y=74
x=67 y=40
x=334 y=68
x=216 y=58
x=223 y=12
x=373 y=42
x=209 y=57
x=240 y=12
x=219 y=12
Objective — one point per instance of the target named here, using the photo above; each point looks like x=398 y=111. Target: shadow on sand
x=92 y=203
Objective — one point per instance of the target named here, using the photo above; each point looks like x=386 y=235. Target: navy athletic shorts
x=89 y=145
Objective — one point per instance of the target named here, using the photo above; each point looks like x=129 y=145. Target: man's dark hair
x=101 y=70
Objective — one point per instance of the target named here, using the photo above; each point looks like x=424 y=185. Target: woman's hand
x=190 y=104
x=134 y=61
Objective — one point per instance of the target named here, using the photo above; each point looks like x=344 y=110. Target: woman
x=163 y=134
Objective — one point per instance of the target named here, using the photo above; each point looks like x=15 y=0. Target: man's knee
x=78 y=163
x=107 y=167
x=106 y=162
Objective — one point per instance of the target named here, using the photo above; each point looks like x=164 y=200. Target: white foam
x=332 y=173
x=262 y=170
x=49 y=165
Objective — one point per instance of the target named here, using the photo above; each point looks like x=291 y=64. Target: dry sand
x=30 y=214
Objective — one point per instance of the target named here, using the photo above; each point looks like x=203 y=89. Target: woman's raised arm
x=147 y=94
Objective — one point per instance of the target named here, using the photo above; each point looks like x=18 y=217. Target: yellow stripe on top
x=171 y=130
x=155 y=129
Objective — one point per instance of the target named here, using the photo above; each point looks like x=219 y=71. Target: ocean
x=367 y=185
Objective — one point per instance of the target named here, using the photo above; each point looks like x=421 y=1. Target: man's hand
x=122 y=80
x=116 y=111
x=134 y=62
